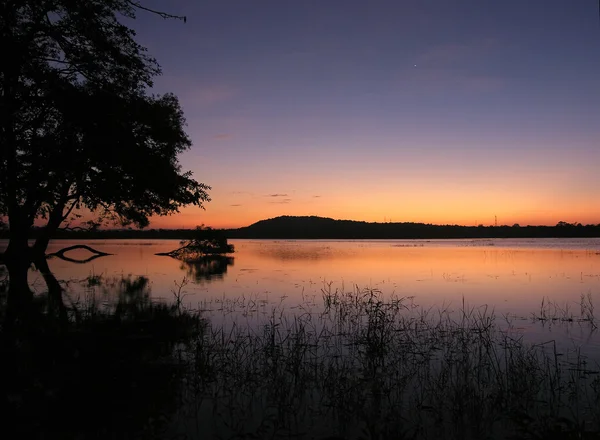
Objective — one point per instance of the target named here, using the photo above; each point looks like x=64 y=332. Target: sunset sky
x=429 y=111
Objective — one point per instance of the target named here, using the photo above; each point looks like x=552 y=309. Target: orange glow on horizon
x=190 y=218
x=392 y=197
x=430 y=192
x=220 y=215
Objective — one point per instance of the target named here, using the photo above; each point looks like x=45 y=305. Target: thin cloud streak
x=281 y=202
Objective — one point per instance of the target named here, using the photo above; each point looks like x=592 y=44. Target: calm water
x=512 y=276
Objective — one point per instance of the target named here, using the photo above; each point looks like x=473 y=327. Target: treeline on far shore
x=290 y=227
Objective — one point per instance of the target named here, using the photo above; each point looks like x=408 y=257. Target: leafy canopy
x=78 y=128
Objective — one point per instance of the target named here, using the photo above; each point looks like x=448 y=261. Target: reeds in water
x=365 y=365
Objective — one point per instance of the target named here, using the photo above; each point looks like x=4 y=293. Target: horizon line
x=558 y=224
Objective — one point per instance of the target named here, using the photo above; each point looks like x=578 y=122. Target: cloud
x=222 y=137
x=276 y=195
x=237 y=204
x=316 y=197
x=281 y=202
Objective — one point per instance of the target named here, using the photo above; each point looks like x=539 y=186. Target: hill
x=326 y=228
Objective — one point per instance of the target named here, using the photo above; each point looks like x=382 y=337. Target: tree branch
x=70 y=209
x=74 y=228
x=159 y=13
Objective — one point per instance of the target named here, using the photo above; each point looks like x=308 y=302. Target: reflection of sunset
x=505 y=277
x=438 y=272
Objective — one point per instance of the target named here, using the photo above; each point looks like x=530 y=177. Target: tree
x=205 y=243
x=77 y=127
x=563 y=224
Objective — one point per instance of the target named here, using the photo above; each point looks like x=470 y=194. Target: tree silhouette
x=77 y=127
x=205 y=242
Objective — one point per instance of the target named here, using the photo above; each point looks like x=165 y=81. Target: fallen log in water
x=61 y=254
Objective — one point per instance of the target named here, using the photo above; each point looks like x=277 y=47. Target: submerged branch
x=77 y=260
x=176 y=253
x=61 y=254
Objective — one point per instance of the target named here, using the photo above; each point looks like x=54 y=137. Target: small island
x=206 y=242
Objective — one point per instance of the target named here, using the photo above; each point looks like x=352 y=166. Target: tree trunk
x=18 y=260
x=56 y=306
x=41 y=243
x=55 y=219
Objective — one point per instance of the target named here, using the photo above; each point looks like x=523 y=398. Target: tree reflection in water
x=114 y=345
x=3 y=279
x=3 y=290
x=207 y=268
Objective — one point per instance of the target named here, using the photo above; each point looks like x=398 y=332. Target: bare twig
x=159 y=13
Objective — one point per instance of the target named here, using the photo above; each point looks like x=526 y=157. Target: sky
x=434 y=111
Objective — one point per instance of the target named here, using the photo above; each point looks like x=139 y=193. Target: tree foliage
x=78 y=128
x=206 y=242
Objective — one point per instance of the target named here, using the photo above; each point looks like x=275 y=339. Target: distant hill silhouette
x=324 y=228
x=312 y=227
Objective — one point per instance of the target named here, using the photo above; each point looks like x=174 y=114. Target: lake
x=343 y=336
x=511 y=276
